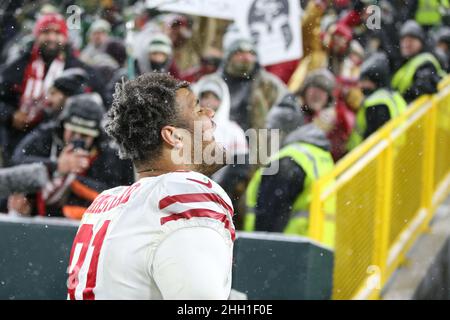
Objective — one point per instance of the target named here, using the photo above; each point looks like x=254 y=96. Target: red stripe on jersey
x=195 y=197
x=201 y=213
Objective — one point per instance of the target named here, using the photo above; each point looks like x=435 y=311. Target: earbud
x=177 y=146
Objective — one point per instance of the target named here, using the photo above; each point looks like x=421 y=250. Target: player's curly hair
x=140 y=108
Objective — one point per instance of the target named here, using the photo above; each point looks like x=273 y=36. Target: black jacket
x=11 y=78
x=425 y=81
x=107 y=170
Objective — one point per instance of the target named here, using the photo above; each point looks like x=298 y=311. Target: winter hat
x=117 y=50
x=376 y=69
x=50 y=19
x=286 y=115
x=336 y=29
x=99 y=25
x=413 y=29
x=239 y=44
x=211 y=86
x=160 y=43
x=71 y=81
x=321 y=78
x=444 y=35
x=83 y=114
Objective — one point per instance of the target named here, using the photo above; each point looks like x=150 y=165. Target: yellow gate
x=386 y=191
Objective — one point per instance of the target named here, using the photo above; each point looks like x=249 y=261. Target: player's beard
x=199 y=152
x=215 y=151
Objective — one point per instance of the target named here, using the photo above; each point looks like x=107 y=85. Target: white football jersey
x=116 y=247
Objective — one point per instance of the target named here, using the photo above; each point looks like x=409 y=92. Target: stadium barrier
x=277 y=266
x=385 y=193
x=34 y=255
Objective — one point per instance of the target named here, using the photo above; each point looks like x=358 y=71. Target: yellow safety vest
x=403 y=78
x=316 y=162
x=393 y=100
x=428 y=12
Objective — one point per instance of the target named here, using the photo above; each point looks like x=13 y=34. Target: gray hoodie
x=309 y=133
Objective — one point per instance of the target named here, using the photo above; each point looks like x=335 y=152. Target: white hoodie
x=227 y=132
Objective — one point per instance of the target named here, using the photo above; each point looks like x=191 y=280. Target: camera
x=78 y=144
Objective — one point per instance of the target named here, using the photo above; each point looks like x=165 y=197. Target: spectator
x=81 y=163
x=71 y=82
x=160 y=54
x=280 y=202
x=314 y=54
x=24 y=81
x=116 y=49
x=348 y=99
x=98 y=34
x=316 y=94
x=157 y=56
x=380 y=104
x=421 y=71
x=337 y=41
x=179 y=29
x=334 y=50
x=286 y=116
x=443 y=45
x=385 y=39
x=96 y=53
x=209 y=63
x=253 y=90
x=428 y=13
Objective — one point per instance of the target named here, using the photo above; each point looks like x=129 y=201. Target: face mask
x=158 y=66
x=367 y=91
x=240 y=69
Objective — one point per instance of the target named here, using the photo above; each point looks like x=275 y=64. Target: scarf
x=36 y=83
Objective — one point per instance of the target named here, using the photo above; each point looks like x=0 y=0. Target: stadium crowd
x=56 y=83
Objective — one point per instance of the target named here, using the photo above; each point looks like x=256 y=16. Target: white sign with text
x=223 y=9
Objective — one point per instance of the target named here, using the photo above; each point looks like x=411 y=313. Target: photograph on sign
x=274 y=26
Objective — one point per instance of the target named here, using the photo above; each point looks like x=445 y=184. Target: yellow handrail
x=386 y=191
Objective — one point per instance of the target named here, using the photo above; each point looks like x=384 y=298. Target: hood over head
x=309 y=133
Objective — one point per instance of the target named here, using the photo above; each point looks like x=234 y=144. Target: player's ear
x=168 y=135
x=173 y=136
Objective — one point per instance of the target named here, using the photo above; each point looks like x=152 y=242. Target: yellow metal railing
x=386 y=191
